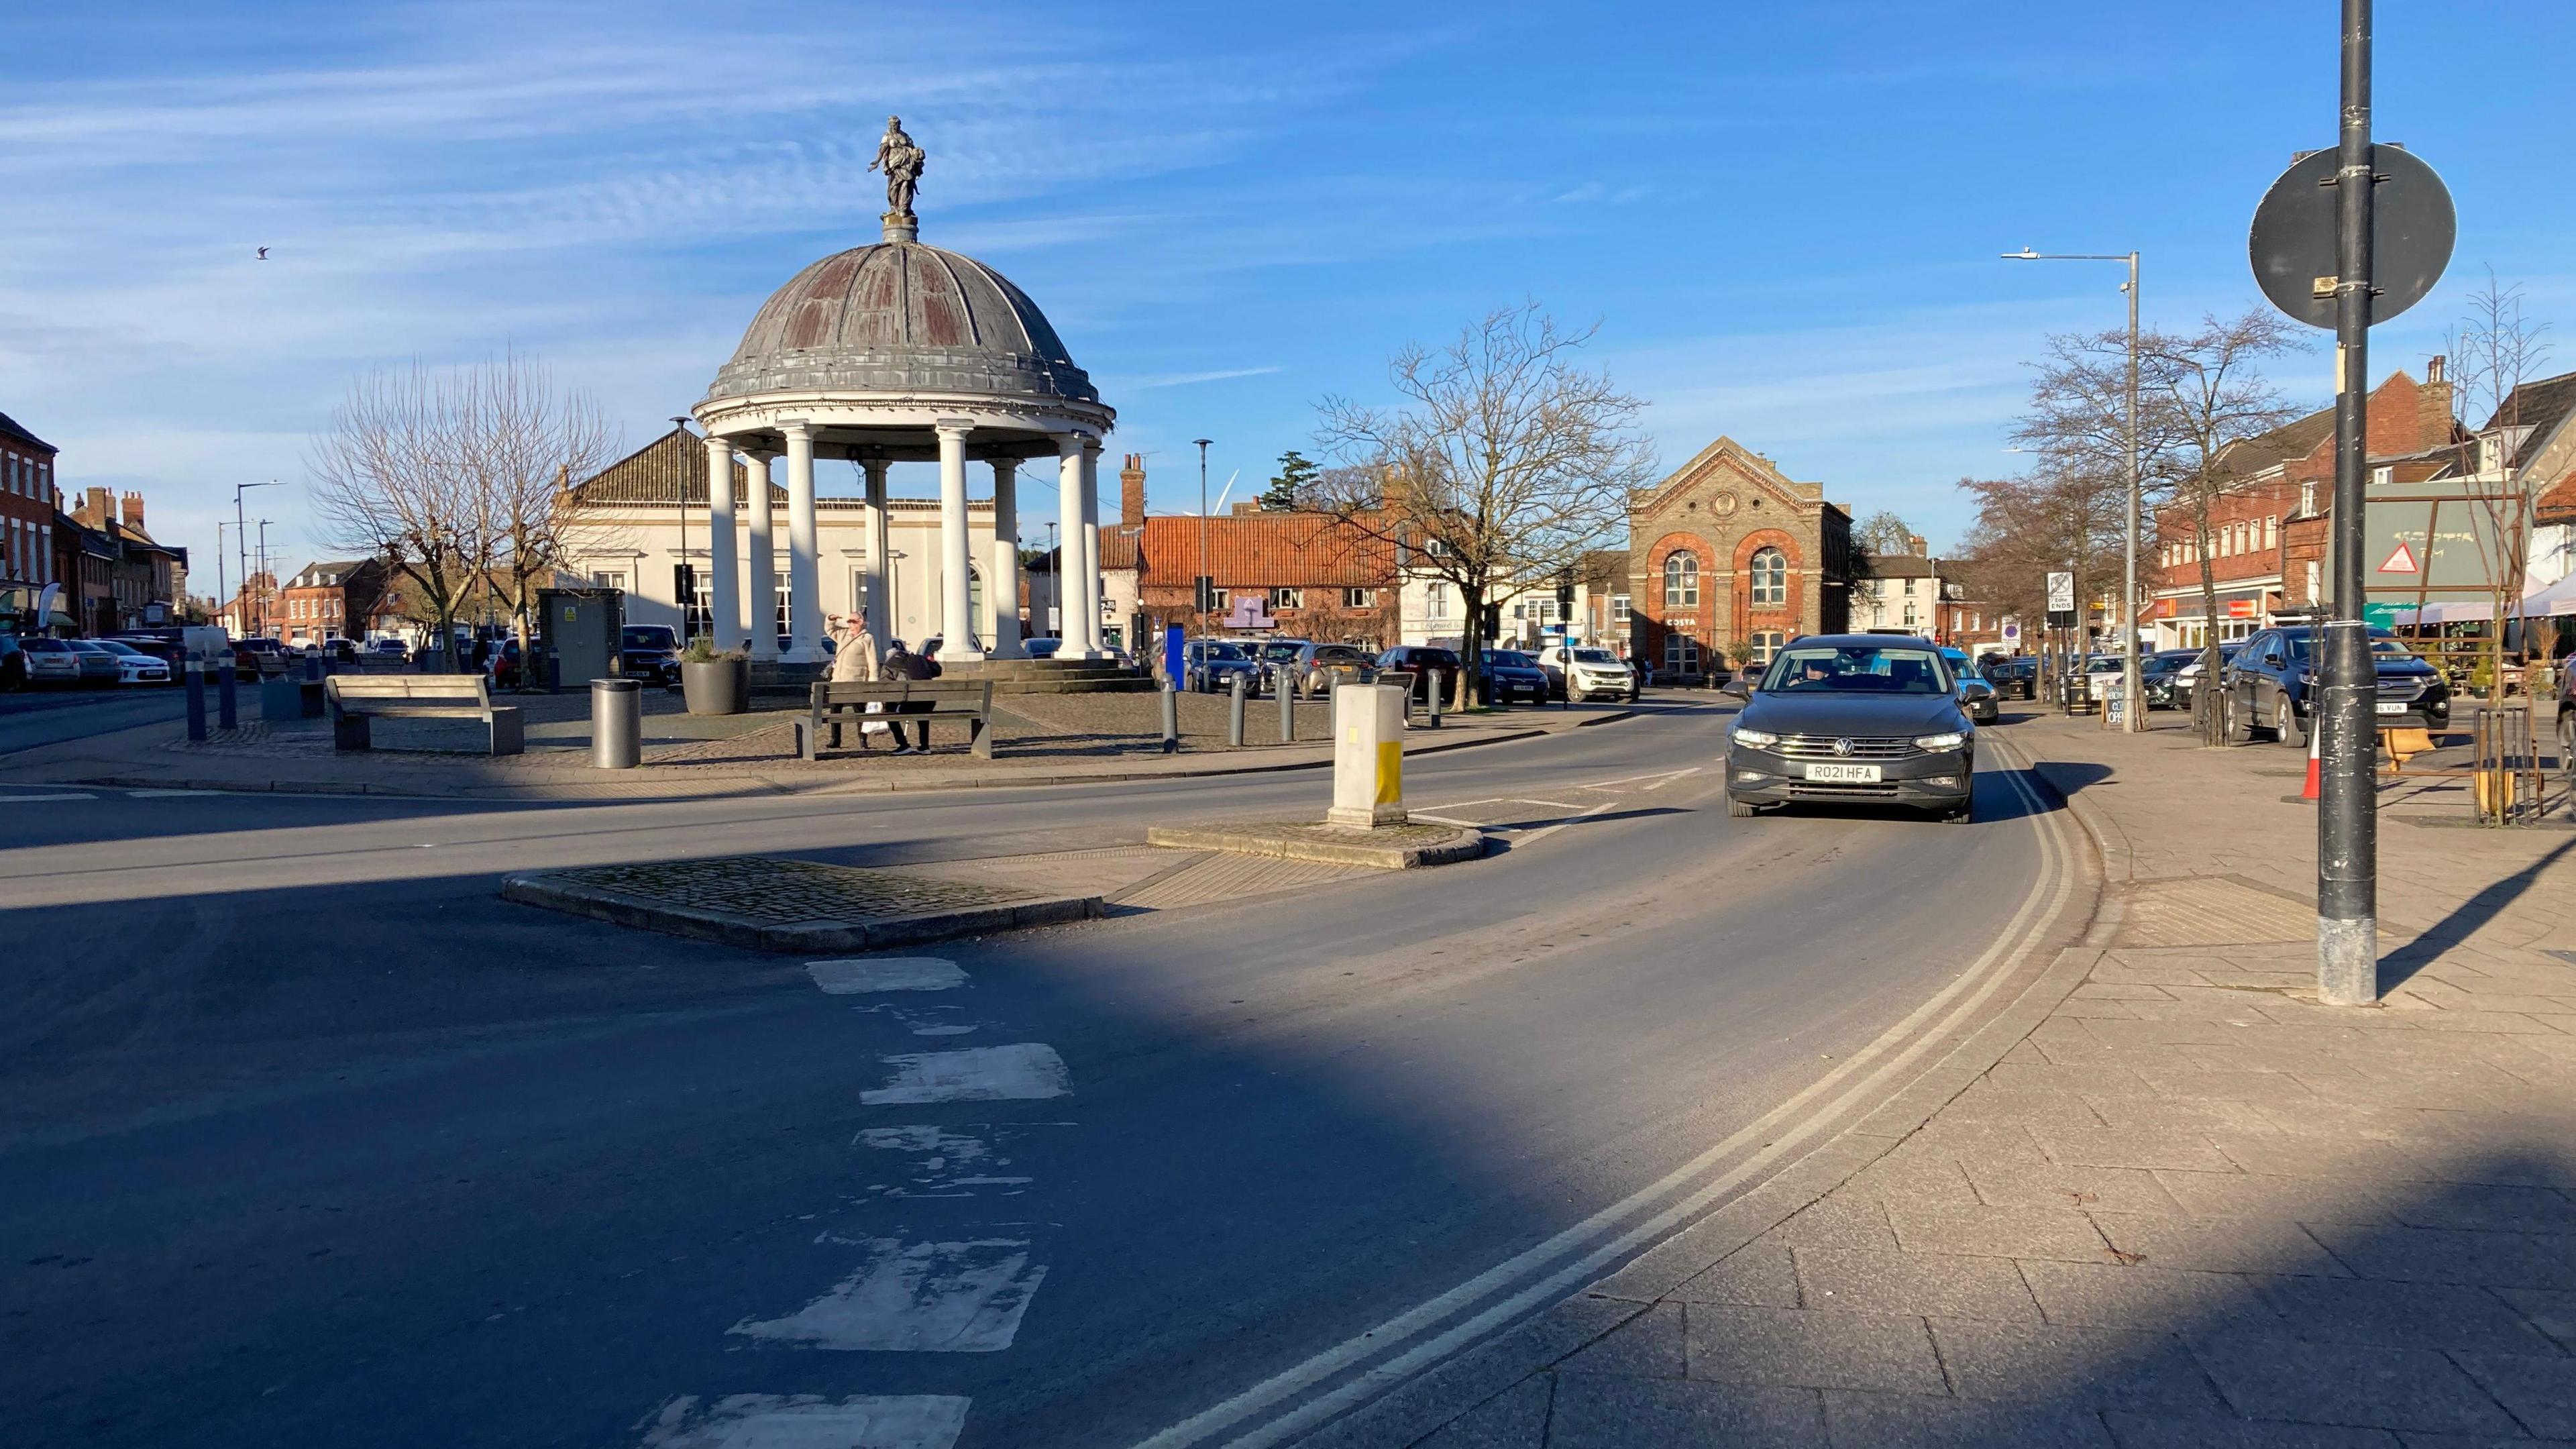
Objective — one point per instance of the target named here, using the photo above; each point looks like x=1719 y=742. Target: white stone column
x=1070 y=475
x=724 y=561
x=804 y=577
x=956 y=600
x=761 y=621
x=1091 y=586
x=1002 y=579
x=878 y=607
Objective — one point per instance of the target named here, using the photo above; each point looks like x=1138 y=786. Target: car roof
x=1861 y=641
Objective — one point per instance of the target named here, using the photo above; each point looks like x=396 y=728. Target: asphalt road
x=306 y=1138
x=32 y=717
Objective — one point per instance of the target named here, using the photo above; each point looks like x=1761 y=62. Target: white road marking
x=809 y=1421
x=1544 y=831
x=917 y=1298
x=165 y=794
x=885 y=973
x=1021 y=1072
x=39 y=799
x=949 y=1163
x=1444 y=819
x=1600 y=1239
x=1660 y=780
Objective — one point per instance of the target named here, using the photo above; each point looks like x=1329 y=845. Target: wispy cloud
x=1188 y=379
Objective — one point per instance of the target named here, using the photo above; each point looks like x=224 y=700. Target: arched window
x=1770 y=579
x=1681 y=581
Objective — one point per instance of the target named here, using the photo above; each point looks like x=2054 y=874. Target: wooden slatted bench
x=969 y=701
x=355 y=699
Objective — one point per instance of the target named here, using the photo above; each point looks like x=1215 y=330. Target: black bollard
x=1234 y=716
x=1171 y=720
x=227 y=714
x=196 y=698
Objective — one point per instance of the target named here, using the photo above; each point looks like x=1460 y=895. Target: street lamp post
x=1206 y=593
x=2133 y=715
x=241 y=533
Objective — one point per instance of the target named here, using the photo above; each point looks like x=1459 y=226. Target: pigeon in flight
x=263 y=254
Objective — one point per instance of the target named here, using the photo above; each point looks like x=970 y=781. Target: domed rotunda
x=897 y=352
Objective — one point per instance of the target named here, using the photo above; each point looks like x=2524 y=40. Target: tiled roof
x=1262 y=550
x=2290 y=440
x=1604 y=568
x=1902 y=565
x=670 y=469
x=9 y=428
x=2538 y=406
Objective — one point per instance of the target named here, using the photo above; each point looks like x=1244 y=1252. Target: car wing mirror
x=1740 y=687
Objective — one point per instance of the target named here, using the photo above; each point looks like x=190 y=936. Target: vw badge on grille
x=1842 y=747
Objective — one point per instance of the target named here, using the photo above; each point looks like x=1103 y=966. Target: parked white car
x=1596 y=673
x=133 y=665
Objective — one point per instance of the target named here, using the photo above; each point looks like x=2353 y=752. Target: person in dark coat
x=902 y=663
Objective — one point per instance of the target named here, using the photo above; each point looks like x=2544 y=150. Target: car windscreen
x=1280 y=652
x=1856 y=669
x=1218 y=649
x=2384 y=648
x=1509 y=659
x=1595 y=656
x=651 y=636
x=1340 y=654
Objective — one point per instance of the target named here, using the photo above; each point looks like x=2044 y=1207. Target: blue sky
x=1784 y=217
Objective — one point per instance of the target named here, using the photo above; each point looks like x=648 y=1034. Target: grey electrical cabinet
x=579 y=629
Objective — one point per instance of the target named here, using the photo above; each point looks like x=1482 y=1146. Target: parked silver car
x=98 y=663
x=50 y=661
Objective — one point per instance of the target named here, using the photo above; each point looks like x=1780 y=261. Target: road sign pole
x=2347 y=816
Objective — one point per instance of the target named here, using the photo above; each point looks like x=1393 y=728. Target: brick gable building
x=2268 y=528
x=1729 y=553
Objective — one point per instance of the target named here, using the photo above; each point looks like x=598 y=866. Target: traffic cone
x=2311 y=792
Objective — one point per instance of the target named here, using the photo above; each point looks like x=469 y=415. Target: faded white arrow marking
x=916 y=1298
x=1023 y=1071
x=856 y=975
x=808 y=1421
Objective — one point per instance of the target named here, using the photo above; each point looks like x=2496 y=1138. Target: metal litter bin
x=616 y=723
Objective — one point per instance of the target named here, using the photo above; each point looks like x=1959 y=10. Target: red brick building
x=2267 y=531
x=28 y=500
x=1316 y=576
x=1729 y=555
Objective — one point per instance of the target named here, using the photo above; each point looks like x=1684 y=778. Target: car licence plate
x=2392 y=706
x=1843 y=774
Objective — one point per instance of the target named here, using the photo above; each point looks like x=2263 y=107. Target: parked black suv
x=2270 y=685
x=2016 y=675
x=649 y=652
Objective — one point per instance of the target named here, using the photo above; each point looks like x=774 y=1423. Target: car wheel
x=2285 y=723
x=1739 y=810
x=2234 y=725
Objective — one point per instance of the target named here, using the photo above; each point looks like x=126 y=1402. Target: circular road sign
x=2292 y=242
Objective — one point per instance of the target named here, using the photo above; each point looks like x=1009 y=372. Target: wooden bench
x=835 y=705
x=356 y=699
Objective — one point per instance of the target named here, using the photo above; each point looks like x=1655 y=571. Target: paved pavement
x=2189 y=1207
x=305 y=1137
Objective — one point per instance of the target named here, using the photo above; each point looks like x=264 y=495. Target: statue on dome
x=900 y=160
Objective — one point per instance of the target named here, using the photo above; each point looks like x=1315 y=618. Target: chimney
x=1246 y=507
x=1131 y=492
x=1921 y=549
x=2433 y=406
x=131 y=508
x=95 y=509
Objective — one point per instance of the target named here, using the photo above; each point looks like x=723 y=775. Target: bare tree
x=2494 y=351
x=530 y=444
x=1884 y=532
x=1503 y=464
x=2208 y=395
x=455 y=480
x=2056 y=517
x=2200 y=393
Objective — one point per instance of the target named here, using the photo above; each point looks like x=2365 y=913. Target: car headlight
x=1756 y=739
x=1950 y=741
